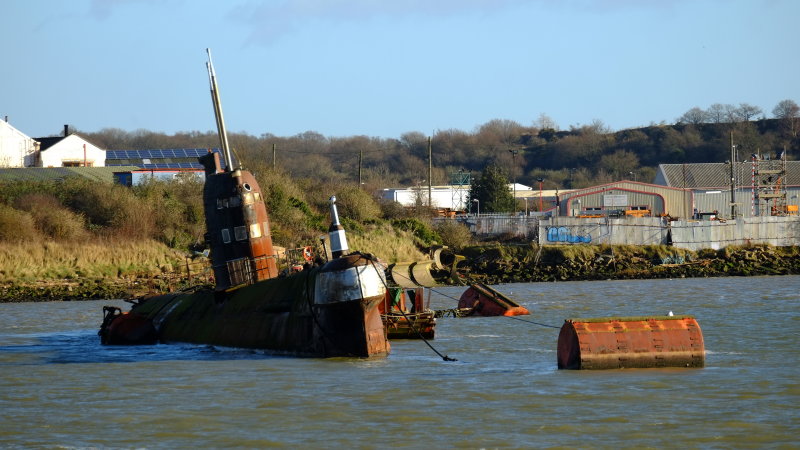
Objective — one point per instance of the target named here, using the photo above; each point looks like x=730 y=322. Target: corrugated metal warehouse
x=624 y=198
x=761 y=186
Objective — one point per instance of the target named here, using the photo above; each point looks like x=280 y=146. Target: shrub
x=420 y=229
x=353 y=203
x=12 y=190
x=51 y=217
x=111 y=209
x=454 y=234
x=16 y=225
x=391 y=209
x=177 y=208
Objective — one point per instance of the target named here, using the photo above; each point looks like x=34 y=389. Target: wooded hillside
x=578 y=157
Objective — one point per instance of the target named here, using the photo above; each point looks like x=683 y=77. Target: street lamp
x=540 y=180
x=633 y=175
x=478 y=204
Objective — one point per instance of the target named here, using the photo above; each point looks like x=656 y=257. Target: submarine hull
x=331 y=311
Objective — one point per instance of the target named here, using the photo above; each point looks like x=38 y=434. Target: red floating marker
x=487 y=301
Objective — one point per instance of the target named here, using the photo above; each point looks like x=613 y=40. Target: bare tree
x=619 y=163
x=693 y=116
x=545 y=122
x=747 y=111
x=716 y=113
x=789 y=113
x=731 y=113
x=786 y=109
x=500 y=131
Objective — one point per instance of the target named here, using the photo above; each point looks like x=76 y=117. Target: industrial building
x=622 y=198
x=762 y=186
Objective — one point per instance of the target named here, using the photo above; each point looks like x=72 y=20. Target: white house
x=16 y=149
x=69 y=151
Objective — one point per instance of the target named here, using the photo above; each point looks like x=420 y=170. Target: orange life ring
x=308 y=254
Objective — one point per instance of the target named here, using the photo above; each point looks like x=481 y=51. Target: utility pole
x=360 y=159
x=514 y=177
x=430 y=173
x=541 y=204
x=273 y=156
x=733 y=186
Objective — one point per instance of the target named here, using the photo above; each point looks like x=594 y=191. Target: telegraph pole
x=733 y=186
x=514 y=177
x=430 y=173
x=273 y=157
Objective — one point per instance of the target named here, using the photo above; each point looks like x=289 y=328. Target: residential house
x=16 y=149
x=70 y=150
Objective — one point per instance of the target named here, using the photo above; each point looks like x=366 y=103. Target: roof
x=716 y=175
x=13 y=130
x=166 y=158
x=47 y=142
x=105 y=174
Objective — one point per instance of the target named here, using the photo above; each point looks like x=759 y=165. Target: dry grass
x=101 y=259
x=387 y=243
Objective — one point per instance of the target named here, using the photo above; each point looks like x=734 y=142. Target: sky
x=382 y=68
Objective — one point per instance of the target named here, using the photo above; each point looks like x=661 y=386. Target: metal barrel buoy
x=630 y=342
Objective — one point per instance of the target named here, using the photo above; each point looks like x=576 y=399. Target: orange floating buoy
x=630 y=342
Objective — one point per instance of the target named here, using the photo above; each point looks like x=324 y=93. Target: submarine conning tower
x=237 y=224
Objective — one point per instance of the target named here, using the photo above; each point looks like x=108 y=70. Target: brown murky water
x=60 y=387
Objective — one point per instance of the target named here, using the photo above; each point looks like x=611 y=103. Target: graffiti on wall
x=566 y=234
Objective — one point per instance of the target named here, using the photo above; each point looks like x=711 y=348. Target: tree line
x=576 y=157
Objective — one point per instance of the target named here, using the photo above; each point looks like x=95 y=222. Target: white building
x=454 y=198
x=69 y=150
x=451 y=197
x=16 y=149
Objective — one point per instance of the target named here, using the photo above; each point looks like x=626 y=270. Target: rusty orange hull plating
x=615 y=343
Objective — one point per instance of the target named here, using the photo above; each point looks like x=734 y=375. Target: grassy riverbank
x=113 y=268
x=123 y=269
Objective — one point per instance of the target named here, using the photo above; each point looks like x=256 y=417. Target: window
x=226 y=235
x=240 y=233
x=255 y=230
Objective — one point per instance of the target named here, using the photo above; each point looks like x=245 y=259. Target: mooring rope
x=413 y=326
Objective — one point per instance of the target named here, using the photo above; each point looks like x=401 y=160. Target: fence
x=486 y=226
x=692 y=235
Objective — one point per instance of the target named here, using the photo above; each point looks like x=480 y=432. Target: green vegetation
x=79 y=231
x=575 y=157
x=490 y=190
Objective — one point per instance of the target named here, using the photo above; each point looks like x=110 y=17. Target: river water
x=60 y=387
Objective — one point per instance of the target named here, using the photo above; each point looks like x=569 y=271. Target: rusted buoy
x=630 y=342
x=487 y=301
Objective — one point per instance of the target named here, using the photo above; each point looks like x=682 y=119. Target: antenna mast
x=223 y=135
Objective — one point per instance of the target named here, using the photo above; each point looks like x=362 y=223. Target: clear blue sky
x=383 y=68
